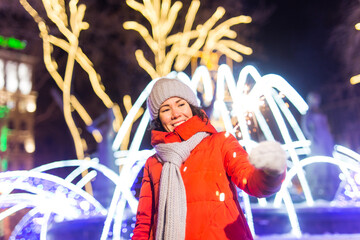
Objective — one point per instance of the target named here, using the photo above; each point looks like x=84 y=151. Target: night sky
x=296 y=43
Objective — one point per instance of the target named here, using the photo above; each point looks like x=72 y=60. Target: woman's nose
x=175 y=114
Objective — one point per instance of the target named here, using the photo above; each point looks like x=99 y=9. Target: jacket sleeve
x=253 y=181
x=145 y=208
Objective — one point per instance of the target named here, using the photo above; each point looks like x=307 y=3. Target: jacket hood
x=182 y=132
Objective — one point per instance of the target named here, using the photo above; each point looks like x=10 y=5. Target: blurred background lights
x=85 y=205
x=24 y=72
x=11 y=42
x=357 y=26
x=15 y=76
x=31 y=106
x=59 y=218
x=12 y=83
x=3 y=138
x=10 y=104
x=355 y=80
x=357 y=178
x=29 y=145
x=2 y=74
x=39 y=221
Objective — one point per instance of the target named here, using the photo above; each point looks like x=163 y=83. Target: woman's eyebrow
x=165 y=105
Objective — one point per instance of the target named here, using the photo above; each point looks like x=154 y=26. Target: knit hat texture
x=165 y=88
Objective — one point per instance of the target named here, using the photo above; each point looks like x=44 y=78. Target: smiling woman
x=188 y=188
x=173 y=112
x=170 y=103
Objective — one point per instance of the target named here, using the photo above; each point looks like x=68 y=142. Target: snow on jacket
x=209 y=175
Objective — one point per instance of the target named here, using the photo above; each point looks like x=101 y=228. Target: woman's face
x=173 y=112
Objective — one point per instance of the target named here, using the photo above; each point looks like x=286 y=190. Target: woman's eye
x=165 y=110
x=181 y=104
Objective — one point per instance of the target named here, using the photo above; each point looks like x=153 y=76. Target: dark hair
x=155 y=124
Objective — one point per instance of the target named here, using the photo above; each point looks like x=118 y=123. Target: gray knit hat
x=165 y=88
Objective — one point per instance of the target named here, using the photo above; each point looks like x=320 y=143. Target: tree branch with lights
x=176 y=50
x=70 y=27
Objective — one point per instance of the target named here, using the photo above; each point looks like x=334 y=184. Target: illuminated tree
x=70 y=28
x=356 y=79
x=178 y=49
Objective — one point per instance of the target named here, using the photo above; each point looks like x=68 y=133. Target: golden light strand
x=56 y=13
x=162 y=17
x=128 y=106
x=55 y=10
x=356 y=79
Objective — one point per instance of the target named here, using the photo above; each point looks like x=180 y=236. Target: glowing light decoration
x=2 y=74
x=31 y=105
x=29 y=145
x=24 y=73
x=12 y=82
x=70 y=27
x=10 y=42
x=356 y=79
x=162 y=16
x=357 y=26
x=48 y=195
x=4 y=131
x=4 y=110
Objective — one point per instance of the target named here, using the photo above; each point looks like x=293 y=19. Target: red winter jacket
x=209 y=175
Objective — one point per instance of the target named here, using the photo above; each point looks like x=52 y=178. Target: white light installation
x=25 y=84
x=2 y=74
x=29 y=145
x=15 y=76
x=31 y=105
x=246 y=101
x=11 y=76
x=50 y=195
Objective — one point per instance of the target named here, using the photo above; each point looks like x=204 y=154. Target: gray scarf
x=172 y=200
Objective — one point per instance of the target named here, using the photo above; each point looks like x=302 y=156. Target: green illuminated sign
x=10 y=42
x=3 y=138
x=4 y=110
x=4 y=164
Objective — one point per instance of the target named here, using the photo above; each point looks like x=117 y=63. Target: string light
x=357 y=26
x=355 y=79
x=162 y=18
x=71 y=30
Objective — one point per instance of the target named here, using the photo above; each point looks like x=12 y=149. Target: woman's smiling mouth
x=178 y=123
